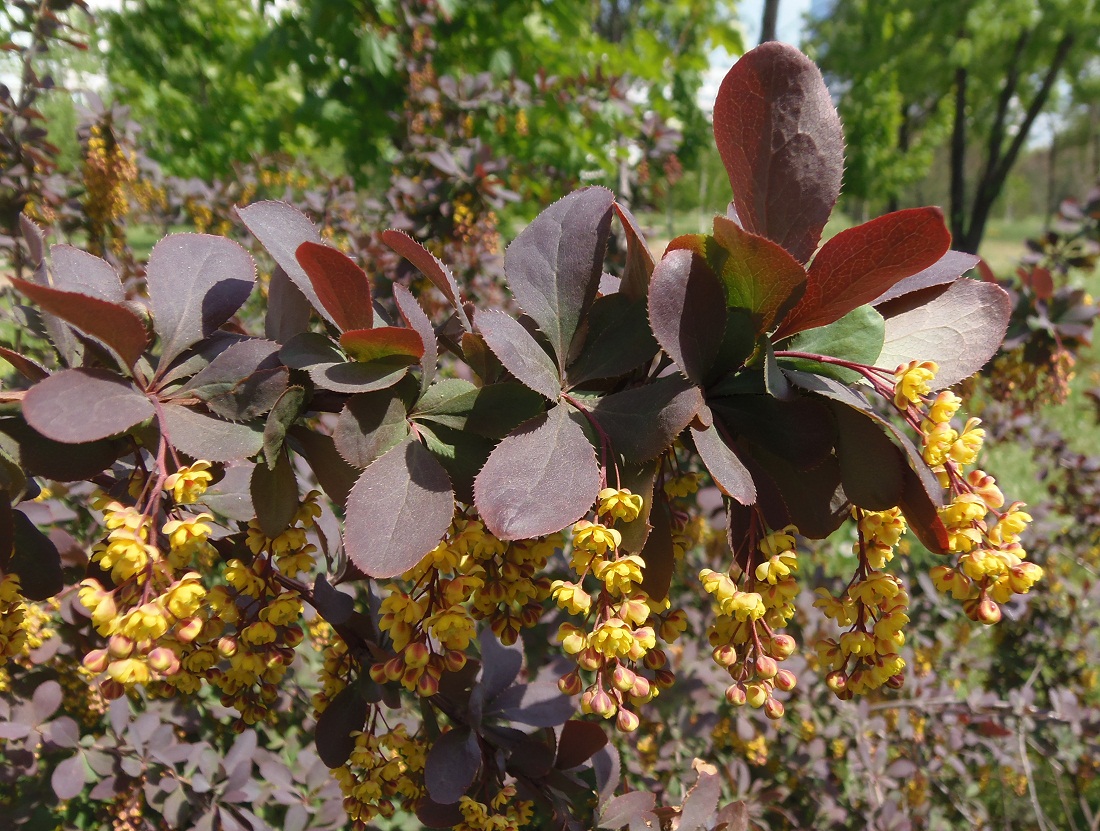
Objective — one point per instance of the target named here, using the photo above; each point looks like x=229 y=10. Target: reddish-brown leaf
x=781 y=142
x=432 y=268
x=687 y=312
x=859 y=264
x=84 y=405
x=342 y=287
x=388 y=342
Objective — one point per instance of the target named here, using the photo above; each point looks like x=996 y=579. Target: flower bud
x=96 y=661
x=293 y=635
x=417 y=654
x=378 y=673
x=785 y=680
x=454 y=660
x=427 y=685
x=603 y=705
x=756 y=695
x=836 y=681
x=766 y=667
x=622 y=679
x=590 y=659
x=189 y=629
x=164 y=661
x=664 y=679
x=773 y=709
x=725 y=656
x=735 y=695
x=896 y=682
x=395 y=668
x=570 y=683
x=227 y=647
x=120 y=646
x=655 y=659
x=641 y=688
x=783 y=646
x=627 y=722
x=988 y=612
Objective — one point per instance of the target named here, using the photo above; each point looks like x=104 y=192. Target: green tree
x=988 y=67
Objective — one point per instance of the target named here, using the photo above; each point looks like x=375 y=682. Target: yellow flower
x=594 y=538
x=1011 y=525
x=911 y=381
x=966 y=447
x=620 y=576
x=683 y=485
x=189 y=483
x=833 y=608
x=185 y=597
x=945 y=406
x=571 y=597
x=778 y=542
x=938 y=443
x=778 y=567
x=453 y=628
x=620 y=504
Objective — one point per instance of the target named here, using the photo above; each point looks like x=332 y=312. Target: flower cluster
x=872 y=611
x=618 y=642
x=13 y=636
x=431 y=614
x=502 y=813
x=991 y=563
x=752 y=604
x=385 y=771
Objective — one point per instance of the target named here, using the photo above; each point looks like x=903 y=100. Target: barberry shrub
x=495 y=475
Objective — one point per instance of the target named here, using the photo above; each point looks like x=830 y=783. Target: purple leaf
x=417 y=320
x=67 y=779
x=687 y=312
x=27 y=367
x=947 y=269
x=627 y=809
x=398 y=511
x=196 y=283
x=659 y=552
x=539 y=704
x=241 y=383
x=871 y=466
x=960 y=329
x=639 y=259
x=341 y=286
x=860 y=263
x=617 y=339
x=452 y=765
x=207 y=437
x=79 y=271
x=553 y=267
x=83 y=405
x=644 y=422
x=538 y=480
x=63 y=732
x=275 y=495
x=287 y=308
x=232 y=496
x=353 y=377
x=781 y=143
x=726 y=468
x=579 y=742
x=114 y=325
x=431 y=267
x=500 y=664
x=700 y=803
x=281 y=228
x=335 y=476
x=369 y=425
x=519 y=352
x=45 y=701
x=345 y=714
x=734 y=817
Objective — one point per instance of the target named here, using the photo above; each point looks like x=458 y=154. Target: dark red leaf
x=540 y=479
x=242 y=382
x=431 y=267
x=79 y=271
x=452 y=765
x=203 y=436
x=633 y=809
x=700 y=803
x=639 y=259
x=726 y=468
x=335 y=476
x=519 y=352
x=733 y=817
x=83 y=405
x=287 y=308
x=553 y=267
x=947 y=269
x=114 y=325
x=275 y=495
x=659 y=552
x=384 y=343
x=1041 y=283
x=617 y=339
x=398 y=511
x=196 y=283
x=578 y=742
x=859 y=264
x=687 y=312
x=871 y=466
x=781 y=143
x=960 y=328
x=345 y=714
x=538 y=704
x=28 y=368
x=342 y=287
x=352 y=376
x=36 y=560
x=644 y=422
x=417 y=320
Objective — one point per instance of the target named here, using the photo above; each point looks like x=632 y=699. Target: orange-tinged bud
x=378 y=673
x=622 y=678
x=736 y=695
x=293 y=635
x=603 y=705
x=785 y=680
x=756 y=694
x=227 y=646
x=773 y=709
x=417 y=654
x=664 y=679
x=189 y=629
x=988 y=612
x=896 y=682
x=164 y=661
x=395 y=668
x=655 y=659
x=725 y=655
x=836 y=681
x=586 y=700
x=590 y=660
x=641 y=688
x=570 y=683
x=627 y=722
x=427 y=685
x=119 y=646
x=96 y=661
x=454 y=660
x=111 y=689
x=766 y=667
x=783 y=646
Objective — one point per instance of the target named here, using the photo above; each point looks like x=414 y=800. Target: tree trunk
x=1052 y=177
x=767 y=25
x=958 y=160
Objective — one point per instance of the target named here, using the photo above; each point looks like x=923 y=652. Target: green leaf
x=492 y=411
x=462 y=454
x=369 y=425
x=857 y=337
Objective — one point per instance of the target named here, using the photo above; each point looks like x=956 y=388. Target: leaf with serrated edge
x=384 y=343
x=857 y=337
x=519 y=352
x=700 y=803
x=278 y=421
x=281 y=228
x=398 y=511
x=275 y=495
x=452 y=765
x=417 y=320
x=79 y=271
x=369 y=425
x=780 y=140
x=431 y=267
x=540 y=479
x=618 y=340
x=960 y=329
x=493 y=411
x=553 y=267
x=627 y=809
x=644 y=422
x=342 y=286
x=639 y=259
x=726 y=468
x=687 y=312
x=352 y=376
x=83 y=405
x=204 y=436
x=860 y=263
x=114 y=325
x=288 y=310
x=196 y=283
x=947 y=269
